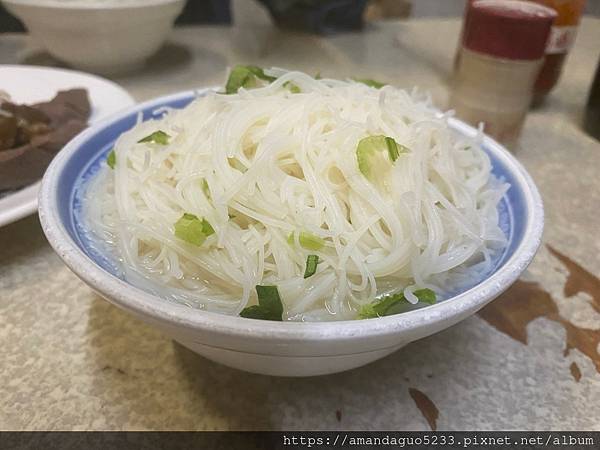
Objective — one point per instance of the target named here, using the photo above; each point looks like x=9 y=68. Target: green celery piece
x=191 y=229
x=388 y=304
x=111 y=159
x=311 y=265
x=368 y=147
x=245 y=76
x=307 y=240
x=269 y=305
x=158 y=137
x=371 y=83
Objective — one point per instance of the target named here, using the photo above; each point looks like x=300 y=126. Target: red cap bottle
x=502 y=50
x=508 y=29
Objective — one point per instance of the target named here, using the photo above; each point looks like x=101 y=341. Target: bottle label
x=561 y=39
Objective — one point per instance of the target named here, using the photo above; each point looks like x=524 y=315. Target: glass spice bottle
x=562 y=38
x=502 y=51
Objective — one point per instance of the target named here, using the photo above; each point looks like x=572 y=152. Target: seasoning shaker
x=502 y=53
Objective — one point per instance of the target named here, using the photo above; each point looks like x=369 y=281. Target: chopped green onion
x=158 y=137
x=426 y=296
x=269 y=305
x=310 y=241
x=260 y=73
x=393 y=148
x=238 y=77
x=311 y=265
x=245 y=76
x=205 y=188
x=294 y=89
x=371 y=83
x=368 y=147
x=392 y=304
x=111 y=159
x=307 y=240
x=253 y=312
x=191 y=229
x=379 y=307
x=207 y=228
x=367 y=312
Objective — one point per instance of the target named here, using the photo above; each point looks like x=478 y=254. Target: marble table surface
x=530 y=360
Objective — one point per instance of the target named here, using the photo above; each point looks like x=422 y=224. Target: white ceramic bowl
x=105 y=37
x=275 y=348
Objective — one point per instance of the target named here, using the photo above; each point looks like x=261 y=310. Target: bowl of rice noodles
x=292 y=225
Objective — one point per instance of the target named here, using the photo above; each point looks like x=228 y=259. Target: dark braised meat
x=8 y=131
x=19 y=124
x=30 y=136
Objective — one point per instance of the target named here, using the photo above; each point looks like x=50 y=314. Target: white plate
x=30 y=84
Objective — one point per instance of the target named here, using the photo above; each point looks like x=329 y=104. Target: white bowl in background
x=107 y=37
x=274 y=348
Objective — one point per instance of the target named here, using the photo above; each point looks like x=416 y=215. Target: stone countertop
x=530 y=360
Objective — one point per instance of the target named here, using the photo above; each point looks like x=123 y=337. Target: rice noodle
x=277 y=162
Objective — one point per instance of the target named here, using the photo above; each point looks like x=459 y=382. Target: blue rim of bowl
x=158 y=310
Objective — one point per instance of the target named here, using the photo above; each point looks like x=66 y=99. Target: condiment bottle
x=462 y=32
x=562 y=38
x=592 y=112
x=501 y=55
